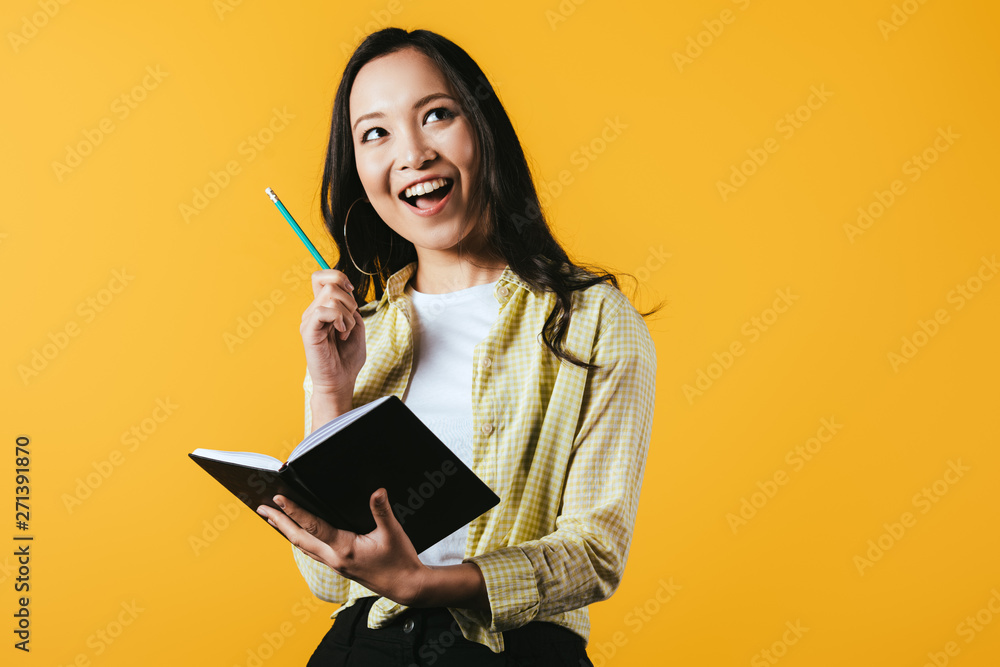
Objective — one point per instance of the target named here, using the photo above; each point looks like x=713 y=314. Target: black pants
x=425 y=637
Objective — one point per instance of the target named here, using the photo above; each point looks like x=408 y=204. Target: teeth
x=424 y=188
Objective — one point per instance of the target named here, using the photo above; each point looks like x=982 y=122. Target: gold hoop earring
x=348 y=247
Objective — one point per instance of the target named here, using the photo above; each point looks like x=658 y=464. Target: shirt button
x=503 y=291
x=487 y=429
x=487 y=362
x=408 y=626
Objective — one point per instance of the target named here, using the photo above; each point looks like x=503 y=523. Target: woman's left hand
x=383 y=561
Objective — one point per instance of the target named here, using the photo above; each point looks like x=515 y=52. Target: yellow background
x=566 y=72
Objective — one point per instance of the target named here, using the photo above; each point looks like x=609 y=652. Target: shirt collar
x=397 y=283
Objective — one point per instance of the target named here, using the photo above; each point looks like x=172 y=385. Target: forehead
x=393 y=82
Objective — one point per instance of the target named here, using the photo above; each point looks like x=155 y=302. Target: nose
x=414 y=150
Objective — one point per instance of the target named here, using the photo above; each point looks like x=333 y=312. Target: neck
x=470 y=263
x=438 y=274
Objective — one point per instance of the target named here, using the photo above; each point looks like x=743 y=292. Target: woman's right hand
x=333 y=334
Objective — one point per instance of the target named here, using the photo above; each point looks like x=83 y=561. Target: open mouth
x=428 y=194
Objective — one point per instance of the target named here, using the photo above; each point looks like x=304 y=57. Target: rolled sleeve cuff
x=324 y=583
x=510 y=587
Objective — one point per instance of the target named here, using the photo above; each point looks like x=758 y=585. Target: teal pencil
x=295 y=226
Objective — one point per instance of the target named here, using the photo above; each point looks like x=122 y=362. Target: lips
x=427 y=195
x=425 y=184
x=425 y=187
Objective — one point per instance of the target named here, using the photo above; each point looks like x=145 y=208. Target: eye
x=369 y=135
x=441 y=113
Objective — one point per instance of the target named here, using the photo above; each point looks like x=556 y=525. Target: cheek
x=463 y=149
x=373 y=176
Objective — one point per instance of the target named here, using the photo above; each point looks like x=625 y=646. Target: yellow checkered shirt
x=562 y=447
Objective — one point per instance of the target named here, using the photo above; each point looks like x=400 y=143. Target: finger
x=343 y=324
x=310 y=544
x=328 y=277
x=322 y=323
x=323 y=315
x=338 y=302
x=333 y=293
x=309 y=522
x=291 y=530
x=359 y=322
x=355 y=321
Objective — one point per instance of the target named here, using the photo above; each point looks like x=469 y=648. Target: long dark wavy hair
x=515 y=227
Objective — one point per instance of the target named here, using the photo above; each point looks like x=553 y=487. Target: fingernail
x=280 y=503
x=261 y=511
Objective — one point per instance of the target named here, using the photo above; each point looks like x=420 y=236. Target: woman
x=428 y=196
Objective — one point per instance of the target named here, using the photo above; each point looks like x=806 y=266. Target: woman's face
x=415 y=150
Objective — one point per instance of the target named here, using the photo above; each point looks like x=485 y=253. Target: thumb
x=381 y=509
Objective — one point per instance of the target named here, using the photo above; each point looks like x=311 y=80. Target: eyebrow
x=416 y=105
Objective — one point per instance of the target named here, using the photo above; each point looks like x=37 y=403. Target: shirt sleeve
x=582 y=561
x=322 y=580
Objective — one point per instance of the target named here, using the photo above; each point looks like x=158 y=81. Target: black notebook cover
x=432 y=493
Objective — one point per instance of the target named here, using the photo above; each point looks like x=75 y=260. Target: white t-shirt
x=446 y=329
